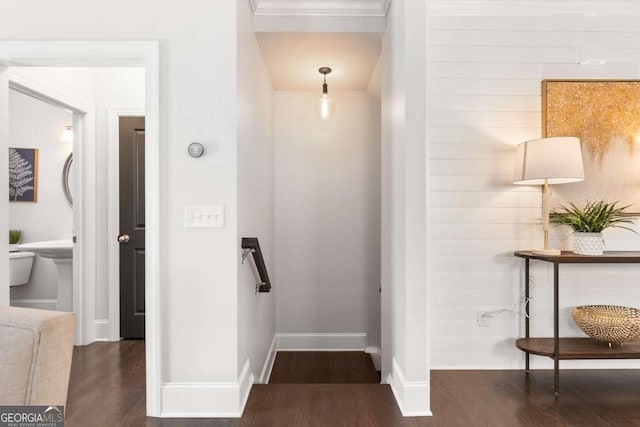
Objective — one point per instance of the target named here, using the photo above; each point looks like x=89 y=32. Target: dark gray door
x=132 y=227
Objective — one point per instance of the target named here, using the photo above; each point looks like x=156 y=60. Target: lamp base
x=546 y=251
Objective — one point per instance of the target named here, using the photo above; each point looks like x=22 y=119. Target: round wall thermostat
x=196 y=149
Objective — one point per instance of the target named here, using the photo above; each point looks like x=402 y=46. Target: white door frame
x=4 y=177
x=74 y=53
x=83 y=145
x=113 y=211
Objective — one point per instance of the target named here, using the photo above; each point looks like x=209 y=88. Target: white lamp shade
x=557 y=159
x=67 y=134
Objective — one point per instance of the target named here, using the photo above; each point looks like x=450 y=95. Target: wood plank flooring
x=107 y=389
x=107 y=385
x=323 y=367
x=320 y=405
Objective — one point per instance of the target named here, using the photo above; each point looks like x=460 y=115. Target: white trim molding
x=202 y=400
x=73 y=53
x=29 y=86
x=376 y=357
x=84 y=213
x=42 y=304
x=245 y=381
x=322 y=342
x=150 y=52
x=589 y=8
x=320 y=7
x=102 y=330
x=412 y=396
x=5 y=291
x=268 y=363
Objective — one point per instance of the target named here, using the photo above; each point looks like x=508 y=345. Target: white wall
x=36 y=124
x=327 y=192
x=484 y=93
x=404 y=259
x=256 y=312
x=114 y=88
x=198 y=268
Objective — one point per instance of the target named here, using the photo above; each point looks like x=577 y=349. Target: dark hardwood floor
x=107 y=389
x=321 y=405
x=323 y=367
x=107 y=385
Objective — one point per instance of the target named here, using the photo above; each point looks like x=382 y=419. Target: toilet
x=20 y=267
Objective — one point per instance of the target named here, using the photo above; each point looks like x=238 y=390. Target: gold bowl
x=608 y=323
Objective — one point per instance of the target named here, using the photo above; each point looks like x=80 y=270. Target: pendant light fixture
x=324 y=105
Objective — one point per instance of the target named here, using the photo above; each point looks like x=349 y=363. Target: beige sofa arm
x=35 y=356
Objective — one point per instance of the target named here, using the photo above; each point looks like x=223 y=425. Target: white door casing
x=70 y=53
x=4 y=177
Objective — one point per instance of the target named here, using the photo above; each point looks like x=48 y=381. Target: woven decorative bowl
x=608 y=323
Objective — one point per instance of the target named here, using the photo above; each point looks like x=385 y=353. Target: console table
x=571 y=348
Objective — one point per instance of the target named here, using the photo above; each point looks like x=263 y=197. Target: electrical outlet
x=482 y=318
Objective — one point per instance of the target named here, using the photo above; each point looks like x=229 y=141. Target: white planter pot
x=588 y=243
x=13 y=247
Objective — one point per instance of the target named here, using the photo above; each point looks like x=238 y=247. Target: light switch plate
x=204 y=216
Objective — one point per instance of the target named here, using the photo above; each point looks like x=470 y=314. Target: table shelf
x=570 y=348
x=580 y=348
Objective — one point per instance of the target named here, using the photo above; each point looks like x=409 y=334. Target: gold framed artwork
x=605 y=115
x=23 y=174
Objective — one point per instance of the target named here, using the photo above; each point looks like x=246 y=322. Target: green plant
x=593 y=218
x=14 y=236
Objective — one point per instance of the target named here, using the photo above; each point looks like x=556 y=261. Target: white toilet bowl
x=20 y=267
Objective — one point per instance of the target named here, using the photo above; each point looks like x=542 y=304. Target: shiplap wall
x=484 y=77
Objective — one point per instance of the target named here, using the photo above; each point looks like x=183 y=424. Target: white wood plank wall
x=484 y=77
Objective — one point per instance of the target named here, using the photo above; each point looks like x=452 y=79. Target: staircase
x=322 y=389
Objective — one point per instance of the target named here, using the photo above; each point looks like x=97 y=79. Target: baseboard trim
x=412 y=397
x=41 y=304
x=246 y=381
x=195 y=400
x=102 y=330
x=268 y=364
x=376 y=357
x=321 y=342
x=198 y=400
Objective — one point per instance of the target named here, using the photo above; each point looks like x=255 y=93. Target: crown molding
x=375 y=8
x=590 y=8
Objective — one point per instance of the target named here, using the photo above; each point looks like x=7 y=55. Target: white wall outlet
x=204 y=216
x=482 y=317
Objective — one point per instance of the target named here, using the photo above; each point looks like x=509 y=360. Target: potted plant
x=14 y=239
x=589 y=222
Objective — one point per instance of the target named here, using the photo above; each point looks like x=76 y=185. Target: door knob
x=124 y=238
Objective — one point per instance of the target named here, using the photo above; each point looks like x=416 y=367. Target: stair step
x=322 y=405
x=332 y=367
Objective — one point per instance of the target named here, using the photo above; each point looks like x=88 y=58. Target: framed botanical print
x=23 y=174
x=605 y=115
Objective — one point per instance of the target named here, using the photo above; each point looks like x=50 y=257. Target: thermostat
x=195 y=149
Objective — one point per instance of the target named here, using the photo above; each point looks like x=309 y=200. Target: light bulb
x=67 y=134
x=325 y=107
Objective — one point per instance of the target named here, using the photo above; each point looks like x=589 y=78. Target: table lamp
x=546 y=161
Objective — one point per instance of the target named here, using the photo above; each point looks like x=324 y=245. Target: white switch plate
x=204 y=216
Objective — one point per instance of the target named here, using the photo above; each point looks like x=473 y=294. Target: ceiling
x=293 y=59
